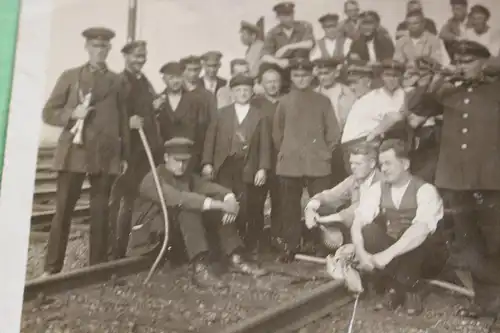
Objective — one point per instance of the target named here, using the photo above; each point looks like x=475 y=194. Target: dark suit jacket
x=219 y=139
x=220 y=83
x=106 y=132
x=383 y=44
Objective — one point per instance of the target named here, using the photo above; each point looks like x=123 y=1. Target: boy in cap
x=140 y=95
x=305 y=133
x=182 y=113
x=187 y=197
x=333 y=44
x=250 y=37
x=237 y=154
x=91 y=94
x=467 y=170
x=372 y=44
x=289 y=36
x=211 y=62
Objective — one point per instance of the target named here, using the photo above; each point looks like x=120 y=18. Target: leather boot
x=245 y=266
x=204 y=276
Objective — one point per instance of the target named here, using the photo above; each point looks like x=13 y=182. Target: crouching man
x=187 y=197
x=394 y=228
x=335 y=207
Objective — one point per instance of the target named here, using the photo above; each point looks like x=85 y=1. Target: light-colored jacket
x=429 y=45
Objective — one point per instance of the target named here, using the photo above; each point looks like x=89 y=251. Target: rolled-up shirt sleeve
x=430 y=207
x=369 y=205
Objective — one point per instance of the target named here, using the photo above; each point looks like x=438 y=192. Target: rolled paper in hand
x=77 y=129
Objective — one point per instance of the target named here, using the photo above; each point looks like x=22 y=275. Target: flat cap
x=179 y=147
x=241 y=80
x=358 y=67
x=212 y=56
x=301 y=63
x=100 y=33
x=191 y=59
x=328 y=17
x=327 y=62
x=171 y=68
x=459 y=2
x=480 y=9
x=285 y=8
x=370 y=16
x=245 y=25
x=391 y=66
x=267 y=66
x=131 y=46
x=470 y=48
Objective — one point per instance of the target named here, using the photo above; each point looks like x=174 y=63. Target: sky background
x=175 y=28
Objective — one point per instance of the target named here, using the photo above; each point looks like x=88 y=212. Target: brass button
x=464 y=130
x=466 y=101
x=469 y=89
x=464 y=146
x=465 y=115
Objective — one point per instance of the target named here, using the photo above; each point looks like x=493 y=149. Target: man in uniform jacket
x=93 y=94
x=305 y=133
x=467 y=169
x=139 y=94
x=182 y=113
x=237 y=154
x=211 y=62
x=395 y=230
x=188 y=197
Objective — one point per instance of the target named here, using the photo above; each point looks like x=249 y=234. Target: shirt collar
x=93 y=69
x=242 y=107
x=367 y=182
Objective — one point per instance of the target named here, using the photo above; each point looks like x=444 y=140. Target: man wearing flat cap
x=140 y=95
x=182 y=113
x=188 y=197
x=305 y=133
x=372 y=44
x=454 y=28
x=90 y=100
x=333 y=44
x=211 y=62
x=250 y=36
x=480 y=31
x=289 y=36
x=237 y=154
x=237 y=66
x=467 y=171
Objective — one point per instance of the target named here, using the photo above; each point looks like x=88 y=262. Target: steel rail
x=82 y=277
x=295 y=314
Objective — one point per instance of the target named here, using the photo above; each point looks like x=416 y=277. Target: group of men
x=375 y=145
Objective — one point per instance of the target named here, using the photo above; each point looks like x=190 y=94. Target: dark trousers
x=291 y=189
x=128 y=193
x=194 y=233
x=69 y=188
x=406 y=271
x=476 y=247
x=273 y=186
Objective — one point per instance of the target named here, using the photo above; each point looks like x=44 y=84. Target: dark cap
x=327 y=62
x=241 y=80
x=99 y=33
x=301 y=63
x=480 y=9
x=358 y=68
x=245 y=25
x=171 y=68
x=328 y=18
x=370 y=16
x=192 y=59
x=130 y=47
x=459 y=2
x=212 y=57
x=285 y=8
x=179 y=148
x=470 y=48
x=390 y=65
x=267 y=66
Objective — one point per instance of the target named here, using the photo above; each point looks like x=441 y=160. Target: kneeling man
x=394 y=227
x=337 y=205
x=187 y=197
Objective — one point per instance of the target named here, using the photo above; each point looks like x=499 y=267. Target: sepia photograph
x=262 y=166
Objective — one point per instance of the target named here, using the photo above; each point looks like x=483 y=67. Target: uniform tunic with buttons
x=469 y=157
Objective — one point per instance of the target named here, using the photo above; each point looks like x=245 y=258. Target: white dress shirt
x=429 y=204
x=371 y=50
x=490 y=39
x=368 y=111
x=241 y=111
x=331 y=46
x=174 y=100
x=210 y=85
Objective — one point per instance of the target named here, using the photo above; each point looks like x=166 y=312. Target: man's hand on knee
x=310 y=213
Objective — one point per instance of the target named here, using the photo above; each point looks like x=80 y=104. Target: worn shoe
x=204 y=277
x=474 y=311
x=391 y=300
x=245 y=266
x=413 y=304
